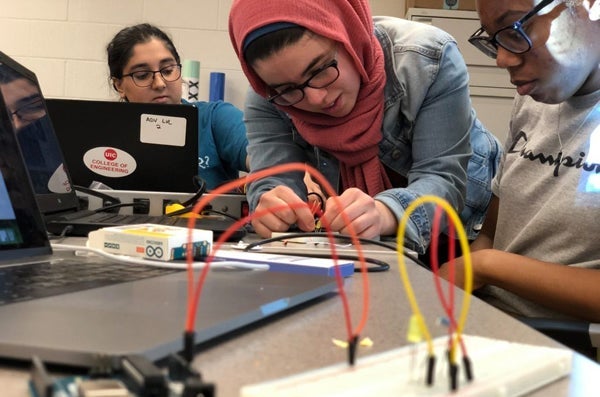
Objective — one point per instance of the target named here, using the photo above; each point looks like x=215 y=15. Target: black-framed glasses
x=30 y=111
x=321 y=78
x=144 y=78
x=512 y=38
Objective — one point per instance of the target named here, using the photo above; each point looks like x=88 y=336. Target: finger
x=269 y=223
x=364 y=230
x=286 y=208
x=277 y=201
x=261 y=229
x=339 y=217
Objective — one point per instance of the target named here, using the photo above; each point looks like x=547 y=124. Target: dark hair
x=264 y=46
x=120 y=49
x=8 y=75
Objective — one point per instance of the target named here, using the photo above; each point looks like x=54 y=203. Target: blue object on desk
x=217 y=86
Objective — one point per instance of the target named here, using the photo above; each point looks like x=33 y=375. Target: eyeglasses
x=512 y=38
x=321 y=78
x=30 y=111
x=145 y=78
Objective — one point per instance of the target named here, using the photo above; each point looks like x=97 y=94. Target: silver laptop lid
x=49 y=176
x=22 y=230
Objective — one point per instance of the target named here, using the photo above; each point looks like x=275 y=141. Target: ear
x=118 y=86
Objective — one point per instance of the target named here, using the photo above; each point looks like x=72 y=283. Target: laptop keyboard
x=40 y=280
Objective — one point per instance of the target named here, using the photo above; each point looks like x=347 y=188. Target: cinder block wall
x=64 y=41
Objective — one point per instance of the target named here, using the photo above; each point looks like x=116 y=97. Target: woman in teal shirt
x=145 y=67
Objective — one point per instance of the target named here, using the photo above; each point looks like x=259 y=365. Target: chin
x=550 y=98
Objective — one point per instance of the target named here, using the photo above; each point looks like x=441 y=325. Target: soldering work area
x=425 y=362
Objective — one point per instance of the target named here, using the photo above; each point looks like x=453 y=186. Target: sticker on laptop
x=109 y=161
x=162 y=130
x=59 y=181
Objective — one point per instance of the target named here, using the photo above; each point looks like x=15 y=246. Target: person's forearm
x=567 y=289
x=482 y=241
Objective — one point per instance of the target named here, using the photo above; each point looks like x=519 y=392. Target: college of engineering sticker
x=110 y=162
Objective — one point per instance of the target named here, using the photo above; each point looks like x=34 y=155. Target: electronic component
x=158 y=242
x=128 y=376
x=101 y=388
x=502 y=368
x=41 y=383
x=144 y=377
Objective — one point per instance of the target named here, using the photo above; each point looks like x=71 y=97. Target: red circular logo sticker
x=110 y=154
x=109 y=161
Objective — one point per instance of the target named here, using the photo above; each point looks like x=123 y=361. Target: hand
x=282 y=219
x=369 y=218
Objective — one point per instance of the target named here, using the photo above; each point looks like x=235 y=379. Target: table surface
x=301 y=339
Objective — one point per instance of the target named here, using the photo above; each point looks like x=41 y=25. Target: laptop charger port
x=166 y=203
x=108 y=203
x=141 y=206
x=244 y=209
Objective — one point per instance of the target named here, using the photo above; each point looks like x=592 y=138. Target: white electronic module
x=149 y=241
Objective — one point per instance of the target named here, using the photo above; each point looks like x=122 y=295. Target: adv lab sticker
x=110 y=162
x=162 y=130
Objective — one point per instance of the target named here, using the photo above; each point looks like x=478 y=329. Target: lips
x=524 y=87
x=161 y=99
x=332 y=106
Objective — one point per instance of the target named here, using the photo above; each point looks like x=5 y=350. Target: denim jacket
x=431 y=134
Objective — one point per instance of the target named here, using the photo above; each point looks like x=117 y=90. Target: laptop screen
x=25 y=105
x=22 y=231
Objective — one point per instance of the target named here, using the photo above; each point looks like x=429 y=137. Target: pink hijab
x=352 y=139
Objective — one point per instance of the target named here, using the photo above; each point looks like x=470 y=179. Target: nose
x=158 y=81
x=314 y=96
x=506 y=59
x=18 y=122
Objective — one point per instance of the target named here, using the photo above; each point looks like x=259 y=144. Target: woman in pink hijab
x=379 y=105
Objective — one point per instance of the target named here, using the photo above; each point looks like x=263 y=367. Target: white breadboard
x=500 y=368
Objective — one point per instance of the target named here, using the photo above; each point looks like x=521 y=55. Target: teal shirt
x=222 y=142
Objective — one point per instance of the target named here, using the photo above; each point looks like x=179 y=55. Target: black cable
x=225 y=214
x=320 y=198
x=201 y=185
x=188 y=205
x=382 y=266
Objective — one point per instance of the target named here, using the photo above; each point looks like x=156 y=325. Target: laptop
x=48 y=169
x=140 y=310
x=128 y=146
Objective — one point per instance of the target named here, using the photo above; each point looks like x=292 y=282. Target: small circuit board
x=128 y=376
x=149 y=241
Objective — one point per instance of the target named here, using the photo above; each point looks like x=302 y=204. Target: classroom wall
x=64 y=41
